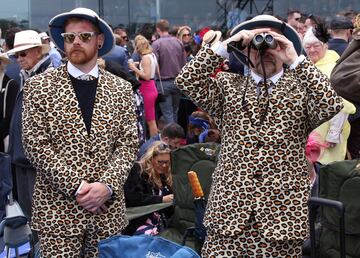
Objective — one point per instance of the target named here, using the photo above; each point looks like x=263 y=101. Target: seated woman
x=202 y=128
x=150 y=182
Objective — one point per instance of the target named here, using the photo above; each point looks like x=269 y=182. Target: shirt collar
x=75 y=72
x=273 y=78
x=37 y=65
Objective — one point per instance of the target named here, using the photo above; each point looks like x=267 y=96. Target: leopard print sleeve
x=323 y=102
x=194 y=81
x=50 y=166
x=126 y=142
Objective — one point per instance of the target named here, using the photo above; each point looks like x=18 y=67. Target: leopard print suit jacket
x=269 y=180
x=56 y=142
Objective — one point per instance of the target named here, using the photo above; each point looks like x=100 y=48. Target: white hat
x=27 y=39
x=269 y=21
x=211 y=37
x=56 y=27
x=310 y=37
x=44 y=35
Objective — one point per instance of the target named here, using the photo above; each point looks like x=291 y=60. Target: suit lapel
x=72 y=108
x=102 y=112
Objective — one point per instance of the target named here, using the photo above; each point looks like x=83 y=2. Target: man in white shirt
x=82 y=140
x=258 y=201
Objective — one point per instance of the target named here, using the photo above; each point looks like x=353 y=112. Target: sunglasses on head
x=69 y=37
x=22 y=54
x=163 y=146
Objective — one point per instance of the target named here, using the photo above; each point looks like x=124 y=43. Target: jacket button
x=257 y=174
x=259 y=144
x=91 y=154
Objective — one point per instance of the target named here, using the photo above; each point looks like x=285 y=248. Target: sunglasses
x=186 y=35
x=69 y=37
x=161 y=148
x=125 y=37
x=22 y=54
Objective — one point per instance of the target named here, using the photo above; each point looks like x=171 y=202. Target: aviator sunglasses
x=69 y=37
x=22 y=54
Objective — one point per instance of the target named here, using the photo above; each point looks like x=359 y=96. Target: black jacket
x=16 y=149
x=338 y=45
x=8 y=92
x=138 y=190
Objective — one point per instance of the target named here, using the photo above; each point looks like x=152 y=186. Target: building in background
x=196 y=13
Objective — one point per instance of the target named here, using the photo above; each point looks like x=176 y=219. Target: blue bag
x=143 y=246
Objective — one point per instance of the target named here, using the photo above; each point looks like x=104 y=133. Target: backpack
x=143 y=246
x=340 y=181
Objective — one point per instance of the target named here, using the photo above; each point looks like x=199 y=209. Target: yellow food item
x=195 y=184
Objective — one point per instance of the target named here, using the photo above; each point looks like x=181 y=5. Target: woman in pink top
x=146 y=73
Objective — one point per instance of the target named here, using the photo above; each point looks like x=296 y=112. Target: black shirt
x=85 y=93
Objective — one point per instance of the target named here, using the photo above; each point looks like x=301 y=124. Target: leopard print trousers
x=84 y=245
x=249 y=244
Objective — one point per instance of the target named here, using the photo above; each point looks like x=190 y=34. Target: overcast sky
x=17 y=11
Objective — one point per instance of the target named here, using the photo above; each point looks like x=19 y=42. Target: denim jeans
x=169 y=108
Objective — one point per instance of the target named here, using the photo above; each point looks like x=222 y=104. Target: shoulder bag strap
x=159 y=76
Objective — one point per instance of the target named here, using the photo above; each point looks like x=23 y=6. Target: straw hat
x=44 y=35
x=269 y=21
x=211 y=37
x=56 y=27
x=27 y=39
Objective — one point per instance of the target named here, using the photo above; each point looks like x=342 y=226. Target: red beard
x=78 y=55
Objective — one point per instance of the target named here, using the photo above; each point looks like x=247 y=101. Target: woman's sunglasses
x=69 y=37
x=163 y=162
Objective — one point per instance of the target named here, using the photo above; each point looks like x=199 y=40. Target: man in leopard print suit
x=80 y=133
x=258 y=201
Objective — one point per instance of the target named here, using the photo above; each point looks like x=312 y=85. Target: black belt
x=167 y=79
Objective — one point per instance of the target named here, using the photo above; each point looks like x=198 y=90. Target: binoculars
x=263 y=41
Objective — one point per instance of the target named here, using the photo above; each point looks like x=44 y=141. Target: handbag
x=143 y=246
x=161 y=95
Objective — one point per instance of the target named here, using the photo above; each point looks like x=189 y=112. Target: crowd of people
x=90 y=119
